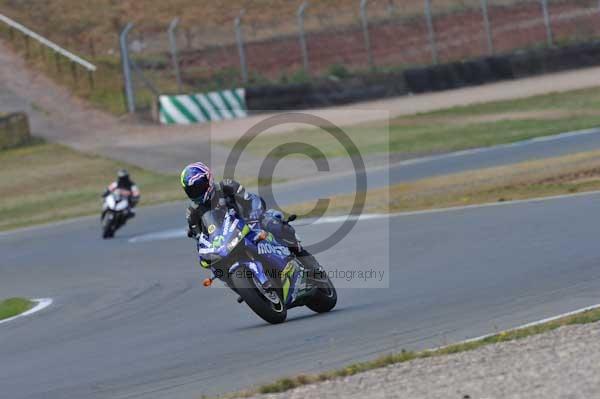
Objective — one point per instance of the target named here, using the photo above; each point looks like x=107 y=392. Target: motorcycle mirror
x=292 y=218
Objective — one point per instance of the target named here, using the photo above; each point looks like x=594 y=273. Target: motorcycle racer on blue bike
x=197 y=182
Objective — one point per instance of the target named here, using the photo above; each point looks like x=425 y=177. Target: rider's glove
x=231 y=188
x=192 y=227
x=255 y=214
x=275 y=214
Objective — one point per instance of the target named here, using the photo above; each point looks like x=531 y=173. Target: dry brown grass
x=48 y=182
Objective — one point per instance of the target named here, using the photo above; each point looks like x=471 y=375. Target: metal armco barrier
x=55 y=47
x=201 y=108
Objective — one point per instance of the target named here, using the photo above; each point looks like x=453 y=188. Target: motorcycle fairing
x=226 y=231
x=255 y=267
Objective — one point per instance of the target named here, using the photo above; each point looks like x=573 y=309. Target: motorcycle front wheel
x=107 y=226
x=267 y=305
x=325 y=297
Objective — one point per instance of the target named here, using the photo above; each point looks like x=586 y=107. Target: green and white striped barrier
x=199 y=108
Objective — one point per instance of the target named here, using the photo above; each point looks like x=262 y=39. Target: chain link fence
x=375 y=35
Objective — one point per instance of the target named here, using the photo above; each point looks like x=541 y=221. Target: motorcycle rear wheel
x=247 y=288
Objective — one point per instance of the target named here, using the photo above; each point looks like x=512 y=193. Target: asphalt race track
x=132 y=319
x=443 y=164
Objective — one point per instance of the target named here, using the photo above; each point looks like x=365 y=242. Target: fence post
x=487 y=26
x=548 y=23
x=42 y=52
x=26 y=46
x=174 y=56
x=300 y=15
x=391 y=8
x=124 y=45
x=431 y=32
x=57 y=63
x=239 y=38
x=91 y=80
x=74 y=74
x=365 y=26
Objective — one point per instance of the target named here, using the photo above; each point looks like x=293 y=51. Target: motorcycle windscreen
x=221 y=228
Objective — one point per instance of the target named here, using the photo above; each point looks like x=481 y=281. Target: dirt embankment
x=397 y=41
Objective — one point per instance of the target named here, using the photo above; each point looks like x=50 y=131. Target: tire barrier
x=199 y=108
x=326 y=92
x=278 y=97
x=502 y=67
x=14 y=130
x=418 y=80
x=571 y=57
x=524 y=64
x=334 y=91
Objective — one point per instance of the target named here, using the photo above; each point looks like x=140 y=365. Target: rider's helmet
x=197 y=182
x=123 y=179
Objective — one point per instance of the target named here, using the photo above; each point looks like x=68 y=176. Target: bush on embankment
x=14 y=130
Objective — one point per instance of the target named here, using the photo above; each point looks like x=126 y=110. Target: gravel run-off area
x=564 y=363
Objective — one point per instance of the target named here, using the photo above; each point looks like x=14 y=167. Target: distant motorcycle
x=264 y=273
x=115 y=212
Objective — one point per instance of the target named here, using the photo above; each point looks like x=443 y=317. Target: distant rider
x=127 y=188
x=197 y=182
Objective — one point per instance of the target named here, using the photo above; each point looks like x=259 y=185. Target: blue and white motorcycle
x=263 y=272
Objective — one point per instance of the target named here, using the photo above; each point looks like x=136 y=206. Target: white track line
x=370 y=216
x=159 y=236
x=533 y=324
x=180 y=233
x=479 y=150
x=556 y=137
x=42 y=303
x=462 y=153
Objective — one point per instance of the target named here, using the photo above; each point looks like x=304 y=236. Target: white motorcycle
x=115 y=212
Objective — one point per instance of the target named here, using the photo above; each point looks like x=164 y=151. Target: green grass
x=285 y=384
x=49 y=182
x=575 y=100
x=14 y=306
x=457 y=128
